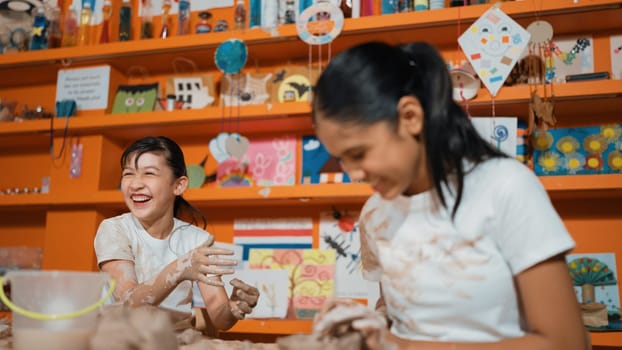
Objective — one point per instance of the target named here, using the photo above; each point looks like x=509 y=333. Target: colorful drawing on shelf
x=277 y=233
x=596 y=286
x=318 y=166
x=268 y=162
x=311 y=276
x=493 y=45
x=571 y=55
x=344 y=239
x=615 y=44
x=578 y=151
x=273 y=286
x=501 y=132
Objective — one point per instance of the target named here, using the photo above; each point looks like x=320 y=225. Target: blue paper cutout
x=230 y=56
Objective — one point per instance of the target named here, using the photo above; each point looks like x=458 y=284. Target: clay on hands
x=204 y=260
x=243 y=298
x=339 y=317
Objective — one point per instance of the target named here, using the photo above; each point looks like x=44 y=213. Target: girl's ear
x=410 y=115
x=181 y=184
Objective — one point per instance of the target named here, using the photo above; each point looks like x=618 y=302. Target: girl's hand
x=243 y=298
x=204 y=260
x=340 y=316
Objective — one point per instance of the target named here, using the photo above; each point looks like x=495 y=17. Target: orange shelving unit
x=72 y=210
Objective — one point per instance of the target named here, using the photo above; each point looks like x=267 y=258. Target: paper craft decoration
x=492 y=45
x=193 y=90
x=279 y=233
x=230 y=56
x=269 y=162
x=311 y=276
x=135 y=98
x=578 y=151
x=292 y=84
x=320 y=23
x=318 y=166
x=345 y=240
x=596 y=286
x=273 y=286
x=615 y=44
x=245 y=89
x=571 y=55
x=501 y=132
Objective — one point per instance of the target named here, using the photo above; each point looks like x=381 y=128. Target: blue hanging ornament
x=231 y=56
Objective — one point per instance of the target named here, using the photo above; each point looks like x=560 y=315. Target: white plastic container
x=54 y=309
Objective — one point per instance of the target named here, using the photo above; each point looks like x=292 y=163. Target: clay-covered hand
x=340 y=316
x=243 y=298
x=205 y=260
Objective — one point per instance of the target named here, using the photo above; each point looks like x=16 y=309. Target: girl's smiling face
x=149 y=187
x=391 y=161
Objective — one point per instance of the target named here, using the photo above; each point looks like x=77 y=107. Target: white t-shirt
x=453 y=281
x=124 y=238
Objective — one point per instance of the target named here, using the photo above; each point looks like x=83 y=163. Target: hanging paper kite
x=493 y=45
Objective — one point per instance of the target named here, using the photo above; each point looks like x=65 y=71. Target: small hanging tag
x=541 y=32
x=218 y=148
x=236 y=145
x=76 y=161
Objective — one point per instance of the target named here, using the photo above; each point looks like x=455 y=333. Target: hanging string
x=494 y=113
x=222 y=108
x=237 y=127
x=310 y=66
x=319 y=60
x=62 y=148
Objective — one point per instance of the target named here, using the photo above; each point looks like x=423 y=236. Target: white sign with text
x=87 y=86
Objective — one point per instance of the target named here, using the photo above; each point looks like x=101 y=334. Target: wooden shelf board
x=272 y=326
x=293 y=117
x=437 y=26
x=187 y=124
x=613 y=339
x=566 y=91
x=605 y=182
x=592 y=186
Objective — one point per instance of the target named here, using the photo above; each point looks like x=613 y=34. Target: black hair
x=365 y=83
x=174 y=159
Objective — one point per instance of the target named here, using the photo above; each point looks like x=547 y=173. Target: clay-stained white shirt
x=123 y=238
x=447 y=280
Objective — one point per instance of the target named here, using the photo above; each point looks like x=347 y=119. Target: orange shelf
x=613 y=339
x=596 y=186
x=565 y=91
x=186 y=124
x=261 y=118
x=211 y=197
x=438 y=26
x=605 y=182
x=272 y=326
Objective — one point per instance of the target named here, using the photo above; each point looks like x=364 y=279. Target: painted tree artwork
x=594 y=278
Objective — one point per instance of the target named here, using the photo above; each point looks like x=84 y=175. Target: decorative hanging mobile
x=493 y=44
x=317 y=25
x=230 y=58
x=540 y=69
